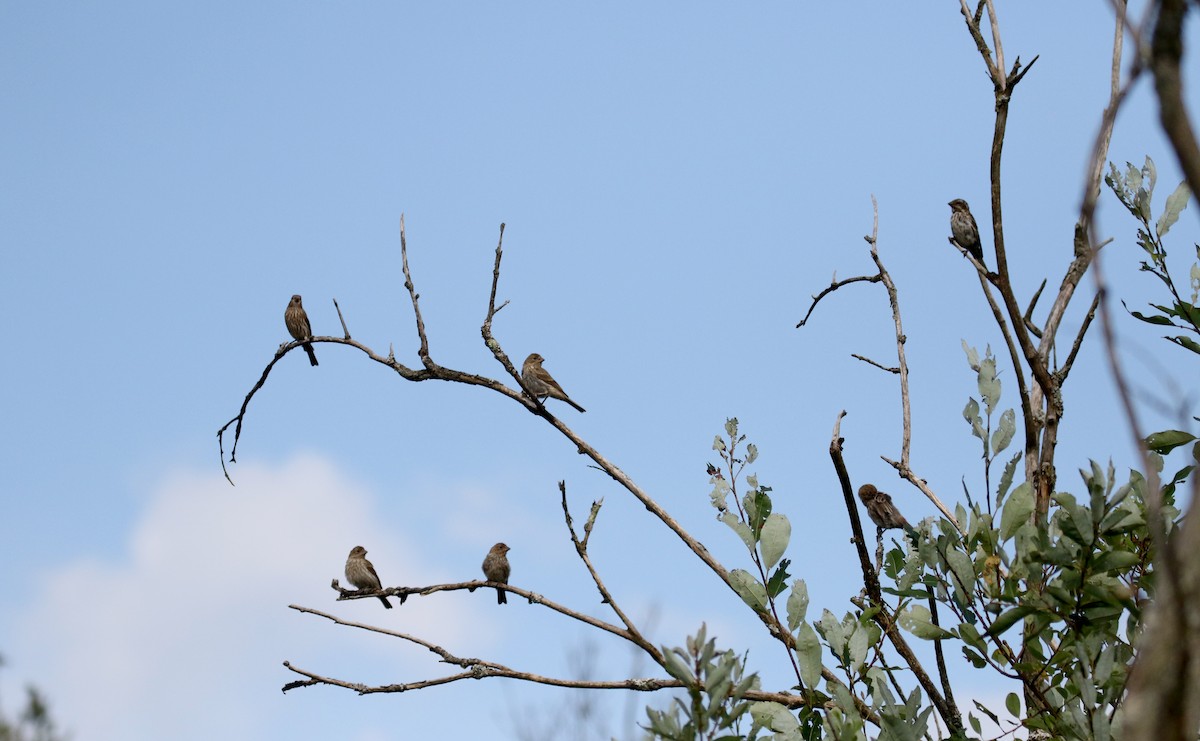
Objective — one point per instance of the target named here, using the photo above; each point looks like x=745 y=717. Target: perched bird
x=361 y=573
x=495 y=568
x=298 y=327
x=540 y=383
x=964 y=229
x=881 y=509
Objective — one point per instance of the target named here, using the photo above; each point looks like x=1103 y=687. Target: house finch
x=495 y=568
x=360 y=572
x=540 y=383
x=881 y=509
x=962 y=226
x=298 y=326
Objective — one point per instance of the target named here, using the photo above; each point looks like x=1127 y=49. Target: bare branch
x=901 y=360
x=882 y=616
x=345 y=330
x=423 y=352
x=1083 y=328
x=1166 y=53
x=868 y=361
x=533 y=597
x=907 y=474
x=633 y=634
x=833 y=286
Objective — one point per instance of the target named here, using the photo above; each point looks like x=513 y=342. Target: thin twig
x=868 y=361
x=423 y=352
x=632 y=633
x=345 y=330
x=833 y=286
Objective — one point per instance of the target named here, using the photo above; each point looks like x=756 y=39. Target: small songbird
x=540 y=383
x=298 y=327
x=882 y=510
x=964 y=229
x=496 y=568
x=361 y=573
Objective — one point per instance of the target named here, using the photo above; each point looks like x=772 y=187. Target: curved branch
x=833 y=286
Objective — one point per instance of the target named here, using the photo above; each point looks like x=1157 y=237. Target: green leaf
x=917 y=620
x=797 y=604
x=808 y=650
x=1155 y=319
x=971 y=637
x=1006 y=478
x=1008 y=618
x=676 y=668
x=739 y=527
x=1114 y=561
x=1012 y=703
x=964 y=573
x=749 y=589
x=776 y=533
x=1176 y=202
x=778 y=581
x=860 y=641
x=1186 y=342
x=1017 y=510
x=1167 y=440
x=1004 y=433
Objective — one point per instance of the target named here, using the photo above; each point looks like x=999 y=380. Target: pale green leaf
x=797 y=604
x=776 y=532
x=916 y=620
x=972 y=356
x=748 y=588
x=739 y=527
x=1003 y=434
x=989 y=384
x=1176 y=202
x=808 y=650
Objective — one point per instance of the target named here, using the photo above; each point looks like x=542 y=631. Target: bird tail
x=501 y=597
x=312 y=360
x=384 y=600
x=574 y=404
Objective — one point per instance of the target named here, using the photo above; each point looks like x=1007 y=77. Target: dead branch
x=883 y=617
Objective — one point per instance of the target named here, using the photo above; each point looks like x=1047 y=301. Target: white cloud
x=184 y=637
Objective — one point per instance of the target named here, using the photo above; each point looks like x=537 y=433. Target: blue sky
x=676 y=181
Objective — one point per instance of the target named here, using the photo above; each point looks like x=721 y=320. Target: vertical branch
x=901 y=360
x=408 y=283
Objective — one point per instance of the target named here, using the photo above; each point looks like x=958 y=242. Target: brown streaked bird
x=496 y=568
x=964 y=229
x=298 y=327
x=540 y=383
x=361 y=573
x=882 y=510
